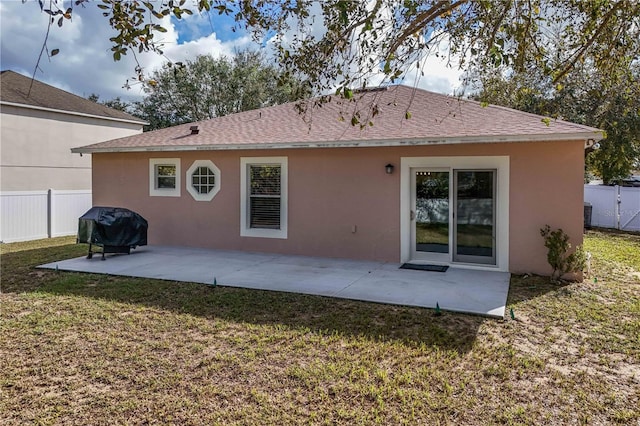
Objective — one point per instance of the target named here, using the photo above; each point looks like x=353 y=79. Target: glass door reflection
x=432 y=212
x=474 y=233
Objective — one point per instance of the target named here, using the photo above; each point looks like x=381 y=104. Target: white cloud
x=209 y=45
x=437 y=73
x=85 y=63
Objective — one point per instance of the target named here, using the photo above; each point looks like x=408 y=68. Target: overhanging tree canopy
x=586 y=97
x=345 y=44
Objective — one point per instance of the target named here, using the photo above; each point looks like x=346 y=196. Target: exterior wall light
x=389 y=168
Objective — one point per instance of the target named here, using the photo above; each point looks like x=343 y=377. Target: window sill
x=264 y=233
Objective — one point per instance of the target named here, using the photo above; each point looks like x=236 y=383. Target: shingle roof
x=435 y=118
x=15 y=87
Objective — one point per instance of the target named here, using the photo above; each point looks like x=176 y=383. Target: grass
x=96 y=349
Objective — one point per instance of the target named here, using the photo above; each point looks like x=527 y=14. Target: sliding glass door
x=474 y=236
x=453 y=216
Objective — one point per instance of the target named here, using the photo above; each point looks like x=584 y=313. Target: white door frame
x=499 y=163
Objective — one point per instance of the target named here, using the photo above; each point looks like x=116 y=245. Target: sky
x=85 y=63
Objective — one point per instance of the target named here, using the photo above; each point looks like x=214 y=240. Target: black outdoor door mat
x=432 y=268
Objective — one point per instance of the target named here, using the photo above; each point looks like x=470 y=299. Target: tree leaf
x=54 y=52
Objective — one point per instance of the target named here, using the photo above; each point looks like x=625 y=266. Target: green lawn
x=93 y=349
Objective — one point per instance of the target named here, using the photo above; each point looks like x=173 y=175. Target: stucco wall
x=35 y=148
x=331 y=190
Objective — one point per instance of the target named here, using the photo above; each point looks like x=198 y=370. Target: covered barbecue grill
x=115 y=229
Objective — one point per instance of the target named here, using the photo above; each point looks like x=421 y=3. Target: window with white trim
x=164 y=177
x=263 y=208
x=203 y=180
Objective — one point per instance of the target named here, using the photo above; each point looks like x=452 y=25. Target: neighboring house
x=39 y=124
x=456 y=183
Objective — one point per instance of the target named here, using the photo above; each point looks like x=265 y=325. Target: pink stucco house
x=457 y=183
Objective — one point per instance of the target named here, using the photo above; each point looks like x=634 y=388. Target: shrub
x=558 y=247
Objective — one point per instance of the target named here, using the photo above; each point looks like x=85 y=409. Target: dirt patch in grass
x=95 y=349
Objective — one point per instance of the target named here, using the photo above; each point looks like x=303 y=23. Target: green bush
x=558 y=247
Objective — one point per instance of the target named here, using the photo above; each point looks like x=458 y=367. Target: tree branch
x=364 y=20
x=44 y=47
x=422 y=19
x=497 y=26
x=588 y=44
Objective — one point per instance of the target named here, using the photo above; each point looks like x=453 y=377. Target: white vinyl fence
x=614 y=206
x=31 y=215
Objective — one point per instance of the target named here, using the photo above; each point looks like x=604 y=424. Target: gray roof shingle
x=435 y=118
x=15 y=88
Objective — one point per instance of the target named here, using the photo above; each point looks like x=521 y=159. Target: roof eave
x=578 y=136
x=81 y=114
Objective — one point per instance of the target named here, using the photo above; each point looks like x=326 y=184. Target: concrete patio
x=459 y=290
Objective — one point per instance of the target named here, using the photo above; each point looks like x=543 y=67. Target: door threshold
x=456 y=265
x=428 y=262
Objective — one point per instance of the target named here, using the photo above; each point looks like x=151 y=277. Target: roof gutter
x=587 y=137
x=81 y=114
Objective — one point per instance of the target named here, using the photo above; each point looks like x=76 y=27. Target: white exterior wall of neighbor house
x=35 y=147
x=44 y=188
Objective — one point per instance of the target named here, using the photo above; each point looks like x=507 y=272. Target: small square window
x=164 y=177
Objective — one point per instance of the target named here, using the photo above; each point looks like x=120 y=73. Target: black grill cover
x=112 y=226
